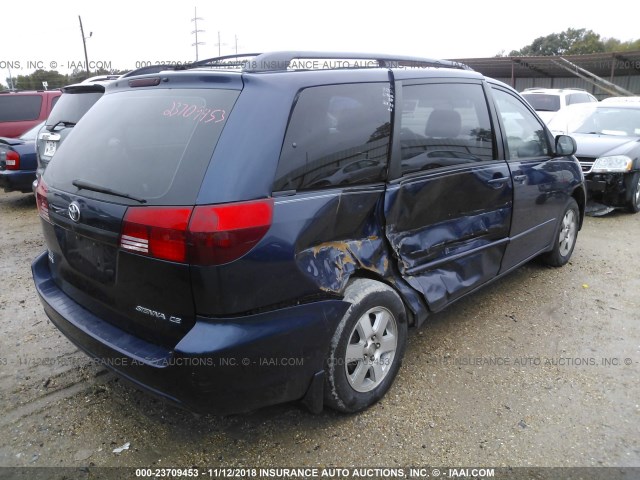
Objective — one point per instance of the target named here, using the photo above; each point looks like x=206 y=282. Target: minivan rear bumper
x=221 y=366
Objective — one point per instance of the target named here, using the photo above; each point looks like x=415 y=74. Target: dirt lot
x=539 y=369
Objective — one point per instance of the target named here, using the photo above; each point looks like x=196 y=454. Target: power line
x=196 y=31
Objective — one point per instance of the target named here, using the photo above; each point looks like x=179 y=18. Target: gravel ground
x=538 y=369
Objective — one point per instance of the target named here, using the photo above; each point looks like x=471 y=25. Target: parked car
x=76 y=100
x=621 y=100
x=548 y=101
x=192 y=248
x=18 y=161
x=608 y=138
x=22 y=110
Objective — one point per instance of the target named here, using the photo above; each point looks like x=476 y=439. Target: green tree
x=34 y=81
x=570 y=42
x=615 y=45
x=55 y=79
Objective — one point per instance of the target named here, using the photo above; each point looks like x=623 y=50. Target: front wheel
x=367 y=347
x=633 y=202
x=565 y=240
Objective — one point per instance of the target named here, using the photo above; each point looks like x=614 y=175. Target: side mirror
x=565 y=145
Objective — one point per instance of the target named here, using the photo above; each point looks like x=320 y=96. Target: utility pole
x=84 y=44
x=196 y=31
x=219 y=45
x=11 y=85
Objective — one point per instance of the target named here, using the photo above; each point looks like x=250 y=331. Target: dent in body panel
x=440 y=261
x=449 y=230
x=451 y=237
x=328 y=253
x=331 y=264
x=443 y=285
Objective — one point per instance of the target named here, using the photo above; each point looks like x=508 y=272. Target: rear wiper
x=82 y=185
x=64 y=123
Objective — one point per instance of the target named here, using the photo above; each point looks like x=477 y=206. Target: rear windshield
x=152 y=144
x=72 y=106
x=543 y=103
x=19 y=108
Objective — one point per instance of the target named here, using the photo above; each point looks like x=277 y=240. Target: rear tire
x=565 y=240
x=367 y=348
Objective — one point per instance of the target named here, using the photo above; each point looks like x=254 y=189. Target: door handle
x=498 y=182
x=519 y=178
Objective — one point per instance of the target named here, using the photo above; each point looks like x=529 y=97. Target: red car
x=23 y=110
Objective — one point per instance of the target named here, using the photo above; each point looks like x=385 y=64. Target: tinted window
x=444 y=125
x=337 y=135
x=578 y=98
x=18 y=108
x=542 y=102
x=526 y=137
x=155 y=144
x=72 y=106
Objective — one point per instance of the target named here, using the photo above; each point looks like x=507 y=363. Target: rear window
x=72 y=106
x=152 y=144
x=19 y=108
x=542 y=102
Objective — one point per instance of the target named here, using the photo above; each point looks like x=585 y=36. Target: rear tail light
x=160 y=232
x=12 y=161
x=41 y=200
x=223 y=233
x=204 y=235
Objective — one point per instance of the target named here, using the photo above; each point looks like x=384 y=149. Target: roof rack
x=284 y=60
x=227 y=61
x=530 y=89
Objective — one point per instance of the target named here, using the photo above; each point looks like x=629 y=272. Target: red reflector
x=41 y=199
x=223 y=233
x=160 y=232
x=13 y=160
x=145 y=82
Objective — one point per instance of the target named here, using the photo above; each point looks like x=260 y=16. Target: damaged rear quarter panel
x=344 y=236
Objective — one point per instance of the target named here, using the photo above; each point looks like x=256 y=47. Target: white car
x=621 y=100
x=548 y=101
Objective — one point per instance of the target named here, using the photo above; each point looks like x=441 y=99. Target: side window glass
x=526 y=137
x=337 y=135
x=578 y=98
x=444 y=125
x=19 y=108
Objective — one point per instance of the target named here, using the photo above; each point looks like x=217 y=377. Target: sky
x=134 y=33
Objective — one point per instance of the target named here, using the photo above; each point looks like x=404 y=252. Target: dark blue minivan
x=261 y=229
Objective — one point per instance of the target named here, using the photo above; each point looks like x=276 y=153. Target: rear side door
x=539 y=181
x=448 y=213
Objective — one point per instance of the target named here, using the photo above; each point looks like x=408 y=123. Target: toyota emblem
x=74 y=212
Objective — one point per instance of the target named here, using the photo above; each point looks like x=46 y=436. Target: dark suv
x=230 y=238
x=75 y=102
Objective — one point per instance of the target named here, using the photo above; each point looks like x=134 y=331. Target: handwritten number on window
x=197 y=114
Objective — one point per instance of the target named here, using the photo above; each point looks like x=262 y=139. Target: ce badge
x=74 y=212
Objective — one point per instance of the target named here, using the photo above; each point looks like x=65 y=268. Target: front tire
x=367 y=348
x=633 y=202
x=565 y=240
